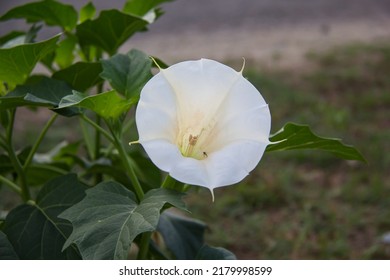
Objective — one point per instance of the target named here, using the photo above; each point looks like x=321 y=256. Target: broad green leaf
x=108 y=168
x=87 y=12
x=144 y=9
x=128 y=73
x=53 y=13
x=18 y=62
x=64 y=54
x=214 y=253
x=34 y=229
x=295 y=136
x=109 y=105
x=39 y=91
x=108 y=219
x=109 y=31
x=7 y=252
x=81 y=75
x=182 y=236
x=39 y=174
x=146 y=171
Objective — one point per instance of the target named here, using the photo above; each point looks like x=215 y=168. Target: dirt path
x=277 y=33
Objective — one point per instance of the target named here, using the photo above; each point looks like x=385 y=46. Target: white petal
x=162 y=153
x=156 y=116
x=200 y=87
x=233 y=163
x=253 y=124
x=190 y=171
x=169 y=159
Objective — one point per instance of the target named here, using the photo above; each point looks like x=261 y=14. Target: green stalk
x=129 y=169
x=98 y=176
x=11 y=184
x=87 y=138
x=169 y=183
x=38 y=142
x=98 y=127
x=144 y=246
x=25 y=192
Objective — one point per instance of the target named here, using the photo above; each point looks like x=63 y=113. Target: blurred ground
x=268 y=31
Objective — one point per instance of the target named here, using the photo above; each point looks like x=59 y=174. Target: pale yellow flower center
x=193 y=140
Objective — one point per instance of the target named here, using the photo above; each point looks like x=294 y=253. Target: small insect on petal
x=203 y=123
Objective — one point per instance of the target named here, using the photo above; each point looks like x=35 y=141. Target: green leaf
x=182 y=236
x=127 y=73
x=39 y=174
x=148 y=173
x=81 y=75
x=109 y=31
x=142 y=8
x=64 y=55
x=35 y=231
x=107 y=221
x=214 y=253
x=87 y=12
x=107 y=104
x=53 y=13
x=18 y=62
x=108 y=168
x=39 y=91
x=7 y=252
x=295 y=136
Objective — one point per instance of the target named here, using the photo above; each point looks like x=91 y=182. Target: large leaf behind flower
x=295 y=136
x=127 y=73
x=18 y=62
x=108 y=105
x=183 y=236
x=51 y=12
x=109 y=31
x=34 y=229
x=81 y=75
x=108 y=219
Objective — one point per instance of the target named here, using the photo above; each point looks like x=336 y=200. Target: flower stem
x=173 y=184
x=25 y=192
x=129 y=169
x=38 y=142
x=99 y=128
x=144 y=246
x=169 y=183
x=10 y=184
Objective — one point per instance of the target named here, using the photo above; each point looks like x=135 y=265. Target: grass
x=308 y=204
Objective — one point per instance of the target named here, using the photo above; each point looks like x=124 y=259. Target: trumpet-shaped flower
x=203 y=123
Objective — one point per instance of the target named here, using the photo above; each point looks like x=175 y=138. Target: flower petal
x=156 y=116
x=162 y=153
x=233 y=163
x=169 y=159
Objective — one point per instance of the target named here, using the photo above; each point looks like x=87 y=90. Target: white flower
x=203 y=122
